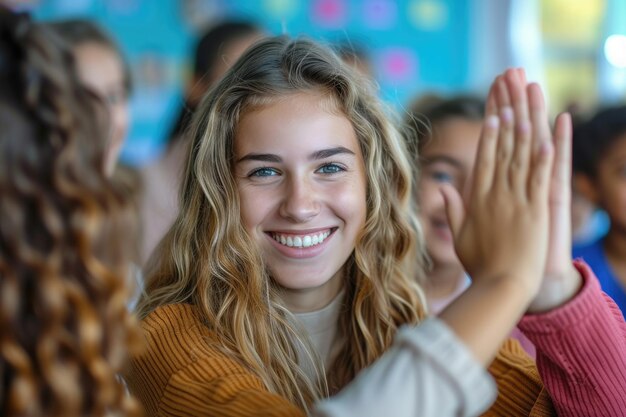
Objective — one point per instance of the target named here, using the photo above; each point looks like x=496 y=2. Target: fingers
x=542 y=147
x=482 y=173
x=539 y=179
x=455 y=212
x=516 y=83
x=538 y=116
x=506 y=139
x=491 y=106
x=484 y=168
x=562 y=166
x=563 y=145
x=516 y=144
x=522 y=74
x=518 y=169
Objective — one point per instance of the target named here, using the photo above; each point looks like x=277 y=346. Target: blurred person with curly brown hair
x=65 y=329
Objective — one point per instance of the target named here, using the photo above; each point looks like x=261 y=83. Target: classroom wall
x=413 y=45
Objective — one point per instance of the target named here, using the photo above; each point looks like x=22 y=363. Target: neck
x=443 y=280
x=305 y=300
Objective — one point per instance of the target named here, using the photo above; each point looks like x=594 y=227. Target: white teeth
x=304 y=241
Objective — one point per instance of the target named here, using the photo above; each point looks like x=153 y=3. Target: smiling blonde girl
x=289 y=274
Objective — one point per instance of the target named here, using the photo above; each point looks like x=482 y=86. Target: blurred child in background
x=599 y=152
x=216 y=51
x=102 y=68
x=444 y=135
x=589 y=222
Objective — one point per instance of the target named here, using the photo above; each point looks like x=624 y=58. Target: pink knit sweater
x=593 y=384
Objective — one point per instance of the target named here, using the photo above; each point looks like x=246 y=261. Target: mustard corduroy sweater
x=183 y=373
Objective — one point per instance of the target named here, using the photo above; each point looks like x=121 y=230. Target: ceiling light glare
x=615 y=50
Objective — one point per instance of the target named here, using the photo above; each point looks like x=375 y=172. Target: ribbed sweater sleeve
x=521 y=392
x=581 y=352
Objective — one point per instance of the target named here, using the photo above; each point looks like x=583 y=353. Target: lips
x=301 y=240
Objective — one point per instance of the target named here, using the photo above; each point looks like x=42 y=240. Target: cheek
x=350 y=201
x=619 y=200
x=429 y=197
x=120 y=117
x=254 y=207
x=247 y=213
x=613 y=190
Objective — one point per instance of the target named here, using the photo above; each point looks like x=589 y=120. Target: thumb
x=455 y=211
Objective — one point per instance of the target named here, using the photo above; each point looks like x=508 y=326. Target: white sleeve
x=427 y=372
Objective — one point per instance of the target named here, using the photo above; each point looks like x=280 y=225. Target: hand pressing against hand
x=561 y=281
x=503 y=233
x=502 y=236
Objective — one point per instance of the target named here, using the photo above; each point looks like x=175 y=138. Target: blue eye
x=441 y=176
x=263 y=172
x=330 y=169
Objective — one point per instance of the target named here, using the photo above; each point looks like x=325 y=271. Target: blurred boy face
x=608 y=189
x=101 y=70
x=447 y=158
x=229 y=54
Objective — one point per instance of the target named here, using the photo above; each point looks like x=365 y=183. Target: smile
x=301 y=241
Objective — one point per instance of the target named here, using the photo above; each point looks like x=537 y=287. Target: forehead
x=98 y=63
x=94 y=52
x=301 y=121
x=455 y=138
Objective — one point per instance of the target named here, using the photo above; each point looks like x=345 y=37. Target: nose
x=301 y=200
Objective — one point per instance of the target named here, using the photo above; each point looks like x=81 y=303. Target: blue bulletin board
x=412 y=45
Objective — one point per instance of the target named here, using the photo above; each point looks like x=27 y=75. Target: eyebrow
x=264 y=157
x=445 y=159
x=321 y=154
x=327 y=153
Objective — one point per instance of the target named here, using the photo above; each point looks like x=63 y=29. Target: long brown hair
x=208 y=259
x=65 y=327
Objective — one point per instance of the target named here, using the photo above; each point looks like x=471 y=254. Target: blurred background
x=575 y=48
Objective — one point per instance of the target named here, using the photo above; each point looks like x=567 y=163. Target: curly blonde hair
x=208 y=259
x=65 y=328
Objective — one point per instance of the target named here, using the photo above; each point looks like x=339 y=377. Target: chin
x=301 y=285
x=443 y=258
x=305 y=280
